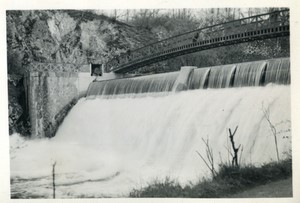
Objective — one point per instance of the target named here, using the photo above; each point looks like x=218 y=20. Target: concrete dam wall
x=50 y=94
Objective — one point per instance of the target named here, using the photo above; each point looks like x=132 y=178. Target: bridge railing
x=35 y=66
x=222 y=32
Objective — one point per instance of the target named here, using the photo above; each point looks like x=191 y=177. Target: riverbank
x=230 y=181
x=280 y=188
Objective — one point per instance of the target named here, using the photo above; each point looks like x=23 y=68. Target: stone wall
x=49 y=95
x=51 y=91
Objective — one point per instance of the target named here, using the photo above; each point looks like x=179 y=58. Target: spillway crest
x=258 y=73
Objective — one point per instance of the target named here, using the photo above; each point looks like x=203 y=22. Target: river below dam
x=108 y=147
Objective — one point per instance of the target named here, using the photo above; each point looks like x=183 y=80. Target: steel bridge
x=258 y=27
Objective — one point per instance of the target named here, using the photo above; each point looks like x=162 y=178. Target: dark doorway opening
x=96 y=70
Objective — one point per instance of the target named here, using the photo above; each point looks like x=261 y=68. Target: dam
x=129 y=132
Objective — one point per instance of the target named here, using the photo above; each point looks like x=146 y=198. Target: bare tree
x=209 y=156
x=235 y=161
x=115 y=14
x=266 y=112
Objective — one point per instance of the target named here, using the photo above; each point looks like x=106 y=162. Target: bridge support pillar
x=183 y=78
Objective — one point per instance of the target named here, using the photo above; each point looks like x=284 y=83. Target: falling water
x=220 y=76
x=107 y=147
x=199 y=78
x=146 y=84
x=257 y=73
x=278 y=71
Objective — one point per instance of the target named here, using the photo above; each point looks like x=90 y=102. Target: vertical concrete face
x=50 y=96
x=183 y=78
x=33 y=81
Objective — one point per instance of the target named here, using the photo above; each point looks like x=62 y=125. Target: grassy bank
x=229 y=180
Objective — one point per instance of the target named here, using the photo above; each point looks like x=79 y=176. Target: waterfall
x=124 y=143
x=107 y=147
x=145 y=84
x=199 y=79
x=249 y=74
x=220 y=76
x=278 y=71
x=257 y=73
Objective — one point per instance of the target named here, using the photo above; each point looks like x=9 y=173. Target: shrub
x=229 y=180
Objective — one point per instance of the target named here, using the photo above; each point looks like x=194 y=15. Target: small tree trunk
x=235 y=150
x=273 y=129
x=53 y=179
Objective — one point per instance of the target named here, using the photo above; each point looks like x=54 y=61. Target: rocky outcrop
x=59 y=37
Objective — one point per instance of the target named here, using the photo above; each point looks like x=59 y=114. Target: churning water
x=107 y=147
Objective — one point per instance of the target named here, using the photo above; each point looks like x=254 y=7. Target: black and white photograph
x=150 y=102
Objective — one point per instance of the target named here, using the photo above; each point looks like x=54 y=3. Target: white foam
x=125 y=143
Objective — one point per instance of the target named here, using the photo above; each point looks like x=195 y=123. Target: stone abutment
x=51 y=93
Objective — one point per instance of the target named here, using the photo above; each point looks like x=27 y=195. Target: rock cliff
x=60 y=36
